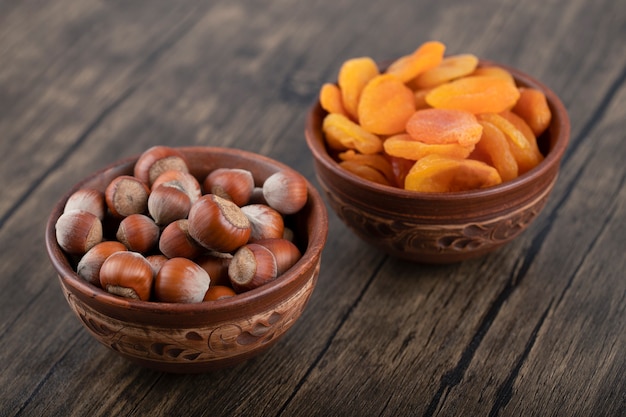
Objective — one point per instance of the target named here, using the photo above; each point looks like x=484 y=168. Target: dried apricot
x=521 y=125
x=495 y=145
x=420 y=99
x=385 y=106
x=436 y=173
x=330 y=99
x=376 y=161
x=450 y=68
x=364 y=171
x=426 y=56
x=476 y=94
x=342 y=133
x=532 y=106
x=526 y=154
x=439 y=126
x=353 y=75
x=404 y=146
x=493 y=71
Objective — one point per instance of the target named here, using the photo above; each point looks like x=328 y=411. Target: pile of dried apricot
x=433 y=123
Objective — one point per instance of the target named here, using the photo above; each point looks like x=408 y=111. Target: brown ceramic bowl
x=191 y=338
x=441 y=227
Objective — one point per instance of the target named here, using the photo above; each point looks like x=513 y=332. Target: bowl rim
x=310 y=257
x=560 y=122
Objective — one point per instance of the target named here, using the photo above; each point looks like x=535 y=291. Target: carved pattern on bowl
x=201 y=344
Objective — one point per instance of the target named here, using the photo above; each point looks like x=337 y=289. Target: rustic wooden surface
x=537 y=328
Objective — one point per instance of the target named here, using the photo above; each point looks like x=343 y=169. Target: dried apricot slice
x=439 y=126
x=476 y=94
x=428 y=55
x=532 y=106
x=495 y=145
x=436 y=173
x=364 y=171
x=342 y=133
x=404 y=146
x=353 y=75
x=420 y=99
x=376 y=161
x=494 y=71
x=535 y=155
x=452 y=67
x=385 y=106
x=522 y=146
x=330 y=99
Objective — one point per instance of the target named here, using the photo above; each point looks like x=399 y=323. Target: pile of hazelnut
x=178 y=239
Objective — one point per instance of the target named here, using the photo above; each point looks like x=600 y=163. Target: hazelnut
x=285 y=252
x=87 y=199
x=252 y=266
x=156 y=160
x=219 y=292
x=184 y=181
x=126 y=195
x=176 y=242
x=285 y=191
x=180 y=280
x=216 y=265
x=167 y=204
x=265 y=222
x=127 y=274
x=89 y=265
x=233 y=184
x=138 y=233
x=156 y=262
x=77 y=231
x=218 y=224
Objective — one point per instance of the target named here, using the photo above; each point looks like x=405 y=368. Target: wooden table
x=536 y=328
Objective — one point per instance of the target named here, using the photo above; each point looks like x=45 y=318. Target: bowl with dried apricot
x=435 y=158
x=188 y=259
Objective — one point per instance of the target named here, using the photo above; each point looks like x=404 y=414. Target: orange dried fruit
x=452 y=67
x=436 y=173
x=330 y=99
x=385 y=106
x=532 y=106
x=420 y=99
x=342 y=133
x=404 y=146
x=440 y=126
x=426 y=56
x=494 y=71
x=522 y=145
x=535 y=155
x=364 y=171
x=476 y=94
x=354 y=74
x=401 y=168
x=495 y=146
x=376 y=161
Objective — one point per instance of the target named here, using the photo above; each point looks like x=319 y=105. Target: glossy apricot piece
x=365 y=172
x=404 y=146
x=330 y=99
x=436 y=173
x=385 y=106
x=377 y=161
x=440 y=126
x=520 y=124
x=452 y=67
x=428 y=55
x=532 y=106
x=341 y=133
x=476 y=94
x=354 y=74
x=526 y=155
x=494 y=144
x=494 y=71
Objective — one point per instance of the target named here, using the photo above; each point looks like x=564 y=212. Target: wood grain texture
x=536 y=328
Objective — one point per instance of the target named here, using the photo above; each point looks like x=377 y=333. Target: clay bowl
x=192 y=338
x=441 y=227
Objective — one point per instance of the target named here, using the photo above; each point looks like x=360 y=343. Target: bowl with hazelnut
x=434 y=158
x=205 y=273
